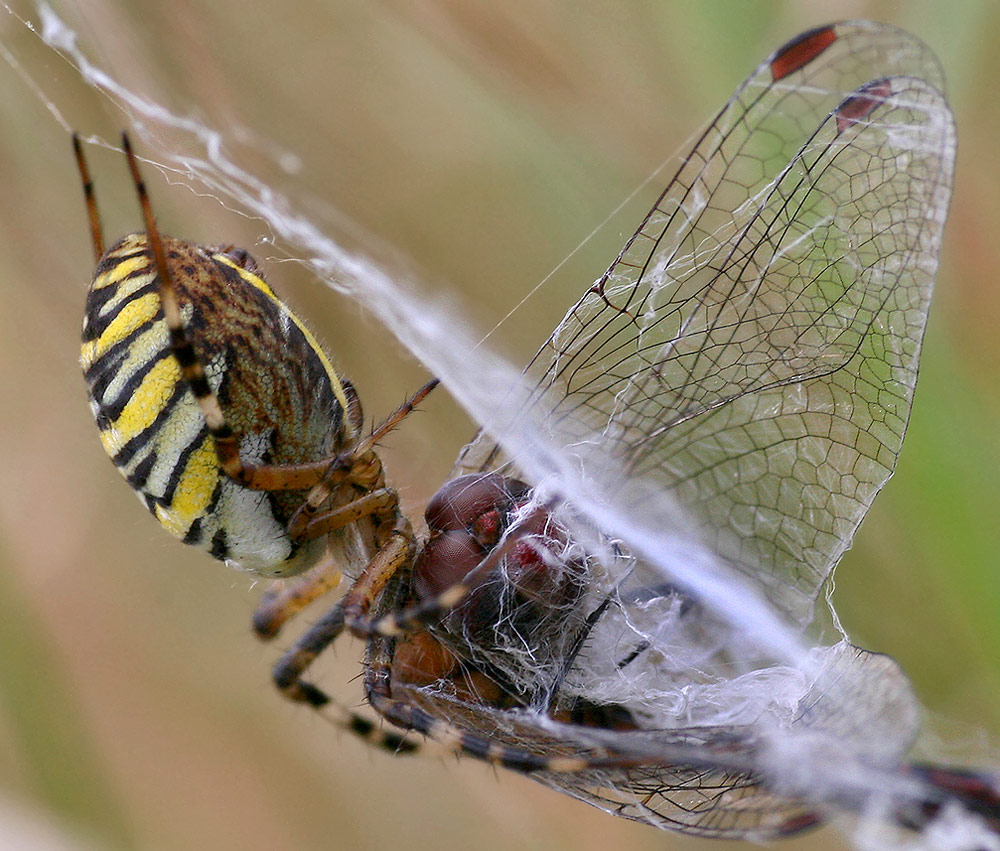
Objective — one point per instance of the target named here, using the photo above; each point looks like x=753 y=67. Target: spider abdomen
x=280 y=395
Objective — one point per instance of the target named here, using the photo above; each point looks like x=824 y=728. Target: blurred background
x=476 y=145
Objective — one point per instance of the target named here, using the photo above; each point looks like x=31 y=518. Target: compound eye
x=460 y=503
x=446 y=559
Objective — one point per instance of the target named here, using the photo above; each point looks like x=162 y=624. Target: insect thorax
x=278 y=391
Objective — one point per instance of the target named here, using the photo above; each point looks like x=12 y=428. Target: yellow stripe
x=121 y=269
x=194 y=490
x=249 y=277
x=141 y=410
x=130 y=317
x=260 y=284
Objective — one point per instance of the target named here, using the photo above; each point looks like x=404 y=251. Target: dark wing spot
x=800 y=51
x=862 y=103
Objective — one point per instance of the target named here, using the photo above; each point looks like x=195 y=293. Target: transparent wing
x=753 y=351
x=754 y=347
x=711 y=780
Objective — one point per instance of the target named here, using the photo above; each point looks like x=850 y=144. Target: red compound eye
x=468 y=517
x=445 y=560
x=460 y=502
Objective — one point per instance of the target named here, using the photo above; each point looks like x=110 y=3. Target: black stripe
x=398 y=744
x=199 y=385
x=213 y=503
x=137 y=443
x=194 y=532
x=95 y=320
x=113 y=408
x=116 y=255
x=180 y=467
x=361 y=726
x=220 y=547
x=191 y=365
x=103 y=370
x=475 y=745
x=99 y=379
x=385 y=739
x=183 y=349
x=140 y=475
x=96 y=300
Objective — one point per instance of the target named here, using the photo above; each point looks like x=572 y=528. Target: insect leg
x=378 y=688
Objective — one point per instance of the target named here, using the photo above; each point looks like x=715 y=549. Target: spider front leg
x=359 y=468
x=220 y=409
x=283 y=602
x=394 y=555
x=286 y=599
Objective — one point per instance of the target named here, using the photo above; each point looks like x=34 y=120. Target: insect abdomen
x=278 y=390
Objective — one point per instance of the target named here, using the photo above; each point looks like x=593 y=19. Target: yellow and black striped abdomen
x=278 y=391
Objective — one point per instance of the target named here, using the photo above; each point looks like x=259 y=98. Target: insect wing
x=753 y=349
x=696 y=787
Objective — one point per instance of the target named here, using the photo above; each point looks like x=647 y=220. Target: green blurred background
x=482 y=142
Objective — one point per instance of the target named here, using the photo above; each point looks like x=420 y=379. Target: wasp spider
x=229 y=421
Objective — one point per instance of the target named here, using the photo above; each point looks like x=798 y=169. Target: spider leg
x=289 y=670
x=355 y=472
x=93 y=216
x=321 y=476
x=353 y=463
x=358 y=466
x=287 y=597
x=287 y=677
x=394 y=555
x=192 y=371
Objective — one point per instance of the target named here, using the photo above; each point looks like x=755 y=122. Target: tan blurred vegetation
x=482 y=141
